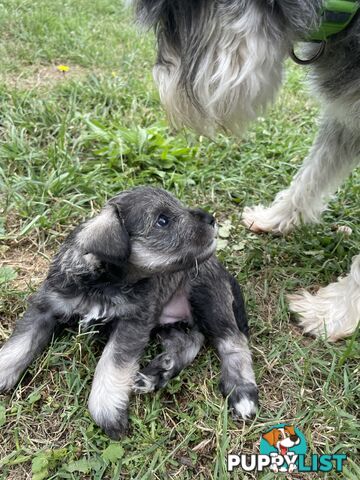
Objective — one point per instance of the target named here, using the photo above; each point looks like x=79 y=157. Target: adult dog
x=220 y=64
x=145 y=262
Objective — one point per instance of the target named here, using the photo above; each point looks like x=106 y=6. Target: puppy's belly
x=176 y=310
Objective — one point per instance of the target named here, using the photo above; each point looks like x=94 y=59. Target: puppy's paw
x=243 y=401
x=161 y=363
x=8 y=377
x=6 y=383
x=155 y=375
x=109 y=411
x=114 y=423
x=12 y=365
x=144 y=383
x=118 y=429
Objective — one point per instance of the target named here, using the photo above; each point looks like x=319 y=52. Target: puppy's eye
x=162 y=221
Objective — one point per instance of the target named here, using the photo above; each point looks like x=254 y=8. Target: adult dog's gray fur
x=219 y=65
x=144 y=262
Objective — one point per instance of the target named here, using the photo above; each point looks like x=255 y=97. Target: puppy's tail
x=219 y=62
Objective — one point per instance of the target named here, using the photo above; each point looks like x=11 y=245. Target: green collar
x=335 y=17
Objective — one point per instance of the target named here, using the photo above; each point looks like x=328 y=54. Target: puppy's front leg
x=114 y=377
x=32 y=333
x=219 y=312
x=237 y=375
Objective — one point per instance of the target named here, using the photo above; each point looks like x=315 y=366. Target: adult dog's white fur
x=242 y=59
x=220 y=64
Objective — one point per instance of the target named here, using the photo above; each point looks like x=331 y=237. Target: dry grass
x=65 y=147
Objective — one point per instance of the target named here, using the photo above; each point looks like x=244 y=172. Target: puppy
x=220 y=64
x=144 y=262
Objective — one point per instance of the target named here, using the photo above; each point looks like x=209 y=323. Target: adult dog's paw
x=243 y=401
x=334 y=311
x=277 y=219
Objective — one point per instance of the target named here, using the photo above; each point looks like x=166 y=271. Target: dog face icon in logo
x=283 y=443
x=282 y=438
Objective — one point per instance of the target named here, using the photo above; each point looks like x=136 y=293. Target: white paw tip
x=347 y=231
x=245 y=408
x=168 y=363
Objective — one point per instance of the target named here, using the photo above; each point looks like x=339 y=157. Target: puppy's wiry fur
x=220 y=63
x=144 y=263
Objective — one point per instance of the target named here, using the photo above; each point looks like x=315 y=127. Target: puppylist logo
x=283 y=448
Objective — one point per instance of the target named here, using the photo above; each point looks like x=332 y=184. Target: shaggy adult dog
x=220 y=64
x=144 y=262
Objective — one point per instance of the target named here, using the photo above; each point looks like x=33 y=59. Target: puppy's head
x=151 y=230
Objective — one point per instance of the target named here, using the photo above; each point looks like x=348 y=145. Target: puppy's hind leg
x=32 y=333
x=180 y=347
x=334 y=154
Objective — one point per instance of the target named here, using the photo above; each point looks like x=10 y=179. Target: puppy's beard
x=156 y=261
x=207 y=252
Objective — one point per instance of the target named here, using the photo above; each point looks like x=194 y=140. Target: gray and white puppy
x=145 y=262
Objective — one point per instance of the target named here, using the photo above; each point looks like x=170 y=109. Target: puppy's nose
x=203 y=216
x=293 y=438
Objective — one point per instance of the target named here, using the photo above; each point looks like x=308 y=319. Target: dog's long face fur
x=220 y=62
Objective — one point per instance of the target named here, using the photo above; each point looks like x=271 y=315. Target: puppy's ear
x=105 y=236
x=270 y=437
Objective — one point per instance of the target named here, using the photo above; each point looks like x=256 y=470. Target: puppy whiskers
x=196 y=269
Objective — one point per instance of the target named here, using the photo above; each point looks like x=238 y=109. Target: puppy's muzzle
x=203 y=216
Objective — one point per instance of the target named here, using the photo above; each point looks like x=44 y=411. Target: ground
x=70 y=140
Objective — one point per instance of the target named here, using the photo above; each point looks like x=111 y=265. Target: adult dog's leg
x=180 y=349
x=115 y=374
x=334 y=154
x=32 y=333
x=334 y=312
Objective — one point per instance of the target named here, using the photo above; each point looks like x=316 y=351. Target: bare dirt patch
x=45 y=76
x=30 y=265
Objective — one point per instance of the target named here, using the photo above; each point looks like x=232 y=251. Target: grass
x=69 y=142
